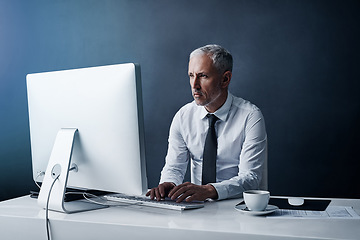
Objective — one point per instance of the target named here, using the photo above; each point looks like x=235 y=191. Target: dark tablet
x=309 y=204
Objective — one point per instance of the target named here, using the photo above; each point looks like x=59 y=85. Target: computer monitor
x=100 y=110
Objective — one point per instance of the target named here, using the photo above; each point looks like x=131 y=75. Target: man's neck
x=211 y=108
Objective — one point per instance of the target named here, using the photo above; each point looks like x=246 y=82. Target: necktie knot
x=212 y=119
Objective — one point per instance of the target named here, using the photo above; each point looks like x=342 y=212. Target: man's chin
x=199 y=102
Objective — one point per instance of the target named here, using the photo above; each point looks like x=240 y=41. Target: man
x=239 y=138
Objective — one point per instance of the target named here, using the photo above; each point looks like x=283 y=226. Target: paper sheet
x=332 y=212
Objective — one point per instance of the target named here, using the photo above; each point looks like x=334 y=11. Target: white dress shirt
x=241 y=150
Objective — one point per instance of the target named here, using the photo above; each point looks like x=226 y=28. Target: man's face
x=206 y=83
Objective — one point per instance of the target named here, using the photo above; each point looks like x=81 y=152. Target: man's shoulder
x=188 y=108
x=186 y=114
x=243 y=104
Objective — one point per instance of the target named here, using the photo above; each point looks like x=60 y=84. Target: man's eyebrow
x=201 y=73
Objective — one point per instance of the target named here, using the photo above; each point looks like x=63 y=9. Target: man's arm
x=252 y=158
x=176 y=162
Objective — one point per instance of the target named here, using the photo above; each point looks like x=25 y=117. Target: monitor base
x=52 y=192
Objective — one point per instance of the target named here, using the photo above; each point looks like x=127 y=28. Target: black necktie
x=210 y=151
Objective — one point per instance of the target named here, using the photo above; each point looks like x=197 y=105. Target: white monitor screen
x=105 y=105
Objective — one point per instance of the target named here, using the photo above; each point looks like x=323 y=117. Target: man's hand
x=161 y=191
x=191 y=192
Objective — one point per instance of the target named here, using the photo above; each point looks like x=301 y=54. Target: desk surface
x=217 y=220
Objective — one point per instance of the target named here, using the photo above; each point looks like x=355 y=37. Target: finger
x=172 y=191
x=157 y=194
x=176 y=188
x=162 y=190
x=151 y=194
x=179 y=192
x=192 y=198
x=185 y=196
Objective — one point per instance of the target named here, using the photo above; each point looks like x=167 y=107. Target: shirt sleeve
x=252 y=160
x=177 y=157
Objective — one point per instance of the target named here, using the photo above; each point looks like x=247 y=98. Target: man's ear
x=226 y=79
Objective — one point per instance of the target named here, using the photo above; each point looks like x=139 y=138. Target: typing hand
x=191 y=192
x=161 y=191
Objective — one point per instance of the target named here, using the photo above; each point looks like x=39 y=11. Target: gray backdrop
x=296 y=60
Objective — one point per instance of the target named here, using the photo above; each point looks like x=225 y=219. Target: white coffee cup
x=256 y=200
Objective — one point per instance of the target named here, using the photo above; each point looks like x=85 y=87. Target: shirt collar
x=222 y=112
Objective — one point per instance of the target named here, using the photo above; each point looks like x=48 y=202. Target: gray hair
x=222 y=58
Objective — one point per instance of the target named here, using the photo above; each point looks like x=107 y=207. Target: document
x=331 y=212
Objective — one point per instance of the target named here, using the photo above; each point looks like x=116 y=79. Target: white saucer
x=243 y=209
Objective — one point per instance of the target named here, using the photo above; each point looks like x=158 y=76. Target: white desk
x=21 y=218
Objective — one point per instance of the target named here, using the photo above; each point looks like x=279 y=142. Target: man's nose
x=196 y=82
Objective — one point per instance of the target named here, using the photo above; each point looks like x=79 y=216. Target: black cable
x=47 y=209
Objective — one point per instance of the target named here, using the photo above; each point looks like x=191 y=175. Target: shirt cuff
x=172 y=180
x=221 y=190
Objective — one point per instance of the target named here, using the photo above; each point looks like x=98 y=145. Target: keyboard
x=146 y=201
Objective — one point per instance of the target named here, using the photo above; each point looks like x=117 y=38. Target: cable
x=47 y=209
x=40 y=173
x=88 y=199
x=108 y=203
x=93 y=201
x=85 y=197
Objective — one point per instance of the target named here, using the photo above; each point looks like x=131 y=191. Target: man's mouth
x=197 y=94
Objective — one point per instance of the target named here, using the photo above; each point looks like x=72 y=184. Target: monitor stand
x=53 y=188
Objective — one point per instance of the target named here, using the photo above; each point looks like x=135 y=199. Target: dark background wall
x=297 y=60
